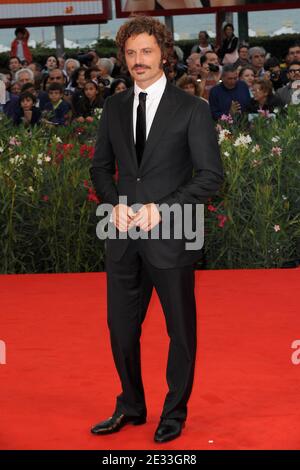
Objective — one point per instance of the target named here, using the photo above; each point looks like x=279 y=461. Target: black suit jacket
x=181 y=164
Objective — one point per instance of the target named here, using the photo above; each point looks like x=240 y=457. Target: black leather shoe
x=168 y=429
x=117 y=422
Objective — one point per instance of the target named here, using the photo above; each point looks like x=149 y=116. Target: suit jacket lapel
x=166 y=108
x=126 y=116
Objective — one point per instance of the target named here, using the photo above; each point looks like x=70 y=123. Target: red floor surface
x=59 y=376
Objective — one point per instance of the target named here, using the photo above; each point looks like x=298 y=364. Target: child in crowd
x=27 y=113
x=57 y=111
x=90 y=101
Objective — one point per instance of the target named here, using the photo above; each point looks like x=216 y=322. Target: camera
x=213 y=68
x=274 y=75
x=103 y=81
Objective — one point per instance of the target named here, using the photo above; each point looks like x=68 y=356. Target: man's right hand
x=122 y=215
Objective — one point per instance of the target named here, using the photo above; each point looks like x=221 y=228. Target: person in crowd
x=2 y=92
x=70 y=66
x=27 y=113
x=292 y=55
x=243 y=53
x=285 y=94
x=41 y=96
x=193 y=65
x=19 y=46
x=257 y=57
x=190 y=85
x=273 y=72
x=7 y=77
x=210 y=74
x=92 y=73
x=170 y=72
x=37 y=71
x=263 y=97
x=51 y=64
x=55 y=76
x=175 y=58
x=90 y=101
x=24 y=76
x=204 y=45
x=247 y=75
x=231 y=96
x=106 y=67
x=57 y=111
x=61 y=63
x=14 y=65
x=15 y=88
x=228 y=52
x=76 y=85
x=118 y=86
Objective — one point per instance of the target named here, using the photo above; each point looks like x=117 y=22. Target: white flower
x=226 y=154
x=1 y=149
x=275 y=139
x=255 y=149
x=97 y=113
x=242 y=140
x=284 y=197
x=16 y=159
x=57 y=139
x=223 y=135
x=37 y=172
x=30 y=189
x=277 y=228
x=40 y=159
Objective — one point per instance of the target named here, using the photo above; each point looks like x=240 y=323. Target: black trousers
x=129 y=288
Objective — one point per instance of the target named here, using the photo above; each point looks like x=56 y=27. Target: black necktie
x=140 y=136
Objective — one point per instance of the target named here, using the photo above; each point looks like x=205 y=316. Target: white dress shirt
x=154 y=94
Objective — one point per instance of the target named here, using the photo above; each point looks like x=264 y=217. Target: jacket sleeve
x=206 y=160
x=103 y=164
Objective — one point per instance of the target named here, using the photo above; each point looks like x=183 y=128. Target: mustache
x=136 y=66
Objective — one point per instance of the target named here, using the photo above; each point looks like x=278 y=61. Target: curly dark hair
x=143 y=24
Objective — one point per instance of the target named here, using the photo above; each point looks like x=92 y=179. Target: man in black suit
x=165 y=146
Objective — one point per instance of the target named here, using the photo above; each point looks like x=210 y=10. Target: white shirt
x=20 y=51
x=154 y=94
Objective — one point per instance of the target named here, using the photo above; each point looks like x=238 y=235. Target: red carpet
x=59 y=377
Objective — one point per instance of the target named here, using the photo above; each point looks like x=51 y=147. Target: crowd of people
x=234 y=78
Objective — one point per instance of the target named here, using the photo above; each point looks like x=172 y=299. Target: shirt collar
x=153 y=90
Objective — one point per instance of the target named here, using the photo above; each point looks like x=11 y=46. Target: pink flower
x=226 y=118
x=222 y=219
x=211 y=208
x=14 y=141
x=277 y=228
x=45 y=198
x=277 y=151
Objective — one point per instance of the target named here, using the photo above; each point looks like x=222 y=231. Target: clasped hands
x=124 y=217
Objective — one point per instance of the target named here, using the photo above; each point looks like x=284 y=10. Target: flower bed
x=48 y=205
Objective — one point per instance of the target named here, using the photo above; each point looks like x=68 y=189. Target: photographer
x=210 y=73
x=274 y=73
